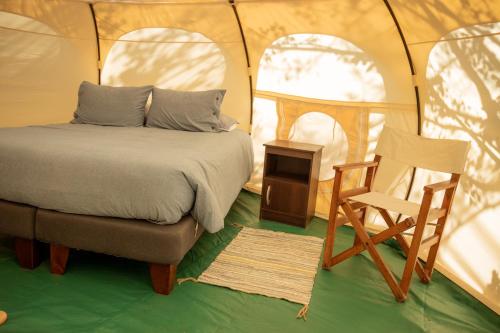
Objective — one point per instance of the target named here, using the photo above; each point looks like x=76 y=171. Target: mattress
x=137 y=173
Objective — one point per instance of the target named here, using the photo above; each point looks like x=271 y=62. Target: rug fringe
x=182 y=280
x=302 y=314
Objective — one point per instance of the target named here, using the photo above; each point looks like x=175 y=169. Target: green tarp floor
x=101 y=293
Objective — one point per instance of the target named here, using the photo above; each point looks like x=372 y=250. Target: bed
x=137 y=185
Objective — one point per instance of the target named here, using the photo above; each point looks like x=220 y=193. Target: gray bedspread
x=143 y=173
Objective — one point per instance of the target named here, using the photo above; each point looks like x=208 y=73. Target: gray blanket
x=143 y=173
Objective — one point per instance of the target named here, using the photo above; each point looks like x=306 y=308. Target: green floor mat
x=100 y=293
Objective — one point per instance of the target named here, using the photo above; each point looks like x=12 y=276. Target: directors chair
x=447 y=156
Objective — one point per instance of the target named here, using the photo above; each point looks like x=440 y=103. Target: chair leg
x=432 y=255
x=431 y=259
x=330 y=239
x=404 y=245
x=370 y=175
x=411 y=262
x=58 y=258
x=446 y=204
x=27 y=252
x=163 y=277
x=412 y=256
x=421 y=272
x=332 y=227
x=377 y=259
x=357 y=240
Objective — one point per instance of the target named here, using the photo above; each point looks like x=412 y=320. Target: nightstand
x=290 y=184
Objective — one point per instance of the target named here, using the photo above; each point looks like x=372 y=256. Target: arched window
x=166 y=57
x=320 y=66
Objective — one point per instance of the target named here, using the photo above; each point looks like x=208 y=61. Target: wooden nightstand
x=290 y=184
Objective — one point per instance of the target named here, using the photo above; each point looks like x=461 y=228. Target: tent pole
x=96 y=29
x=410 y=61
x=417 y=94
x=237 y=16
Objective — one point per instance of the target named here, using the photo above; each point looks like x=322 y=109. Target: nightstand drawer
x=285 y=197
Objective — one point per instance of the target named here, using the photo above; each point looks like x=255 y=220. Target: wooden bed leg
x=163 y=277
x=58 y=258
x=27 y=252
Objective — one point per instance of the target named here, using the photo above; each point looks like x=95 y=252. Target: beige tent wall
x=222 y=45
x=455 y=50
x=46 y=49
x=357 y=29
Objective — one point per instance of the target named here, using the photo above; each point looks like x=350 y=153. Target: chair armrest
x=351 y=166
x=436 y=187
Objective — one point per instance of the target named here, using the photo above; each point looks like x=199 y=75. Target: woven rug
x=270 y=263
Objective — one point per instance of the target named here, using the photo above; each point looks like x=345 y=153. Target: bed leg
x=58 y=258
x=27 y=252
x=163 y=277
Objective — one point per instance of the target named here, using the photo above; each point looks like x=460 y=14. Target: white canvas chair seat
x=404 y=207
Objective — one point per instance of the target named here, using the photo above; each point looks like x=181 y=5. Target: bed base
x=161 y=246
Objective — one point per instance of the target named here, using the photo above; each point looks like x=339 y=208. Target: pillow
x=226 y=123
x=111 y=106
x=195 y=111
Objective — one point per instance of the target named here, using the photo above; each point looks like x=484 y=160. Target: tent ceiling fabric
x=56 y=14
x=50 y=85
x=215 y=20
x=437 y=18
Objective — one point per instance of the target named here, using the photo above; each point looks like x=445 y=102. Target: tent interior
x=324 y=72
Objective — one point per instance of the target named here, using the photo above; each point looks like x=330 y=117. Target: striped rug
x=270 y=263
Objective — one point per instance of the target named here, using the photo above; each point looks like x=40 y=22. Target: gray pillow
x=111 y=106
x=227 y=123
x=195 y=111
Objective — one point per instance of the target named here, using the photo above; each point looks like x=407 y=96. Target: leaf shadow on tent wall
x=41 y=68
x=462 y=102
x=167 y=58
x=464 y=97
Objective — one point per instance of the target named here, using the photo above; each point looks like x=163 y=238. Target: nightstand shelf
x=284 y=177
x=290 y=184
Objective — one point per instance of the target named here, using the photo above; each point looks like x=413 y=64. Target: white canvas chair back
x=432 y=154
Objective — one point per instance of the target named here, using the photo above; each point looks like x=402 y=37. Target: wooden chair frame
x=355 y=214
